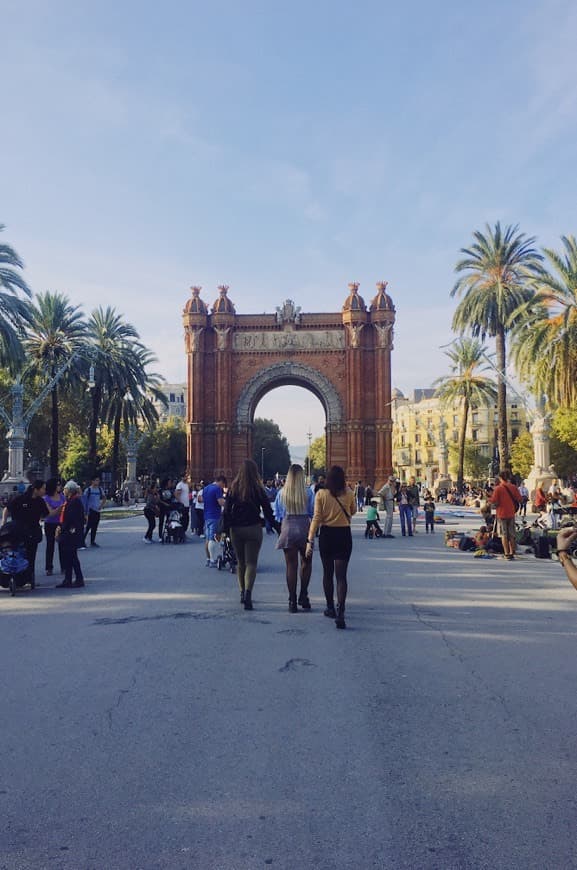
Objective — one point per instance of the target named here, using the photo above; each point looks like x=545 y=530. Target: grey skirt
x=294 y=532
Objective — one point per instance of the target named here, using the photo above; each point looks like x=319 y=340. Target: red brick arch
x=343 y=358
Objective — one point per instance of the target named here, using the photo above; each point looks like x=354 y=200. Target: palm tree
x=110 y=337
x=13 y=309
x=466 y=384
x=131 y=398
x=545 y=343
x=495 y=289
x=57 y=330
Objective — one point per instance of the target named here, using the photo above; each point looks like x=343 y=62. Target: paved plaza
x=149 y=722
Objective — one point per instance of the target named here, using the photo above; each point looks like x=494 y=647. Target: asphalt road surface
x=148 y=721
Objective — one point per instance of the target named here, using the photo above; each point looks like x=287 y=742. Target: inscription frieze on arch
x=307 y=340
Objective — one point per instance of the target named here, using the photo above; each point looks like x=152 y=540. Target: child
x=373 y=521
x=482 y=538
x=429 y=507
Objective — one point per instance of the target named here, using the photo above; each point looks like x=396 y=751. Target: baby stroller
x=14 y=569
x=173 y=531
x=227 y=555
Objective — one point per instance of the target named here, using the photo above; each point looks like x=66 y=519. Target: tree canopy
x=270 y=448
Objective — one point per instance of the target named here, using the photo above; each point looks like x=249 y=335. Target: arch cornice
x=293 y=374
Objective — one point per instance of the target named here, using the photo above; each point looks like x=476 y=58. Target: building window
x=475 y=434
x=514 y=434
x=417 y=439
x=402 y=440
x=417 y=456
x=475 y=418
x=171 y=397
x=455 y=435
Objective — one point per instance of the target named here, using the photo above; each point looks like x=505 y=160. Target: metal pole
x=262 y=452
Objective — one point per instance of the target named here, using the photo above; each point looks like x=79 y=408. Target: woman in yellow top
x=334 y=507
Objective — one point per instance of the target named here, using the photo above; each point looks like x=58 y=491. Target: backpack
x=542 y=547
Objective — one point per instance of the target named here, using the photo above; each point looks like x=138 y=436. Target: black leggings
x=50 y=532
x=151 y=517
x=335 y=546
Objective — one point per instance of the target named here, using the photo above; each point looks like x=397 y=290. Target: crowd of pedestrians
x=299 y=514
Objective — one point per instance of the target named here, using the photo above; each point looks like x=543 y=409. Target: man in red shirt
x=507 y=499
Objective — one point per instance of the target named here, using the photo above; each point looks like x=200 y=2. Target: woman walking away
x=70 y=536
x=334 y=507
x=294 y=506
x=55 y=499
x=241 y=516
x=151 y=512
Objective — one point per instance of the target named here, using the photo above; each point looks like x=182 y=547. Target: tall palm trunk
x=501 y=360
x=96 y=402
x=462 y=440
x=54 y=435
x=116 y=447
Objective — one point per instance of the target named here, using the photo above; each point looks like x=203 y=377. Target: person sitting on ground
x=482 y=538
x=507 y=498
x=373 y=521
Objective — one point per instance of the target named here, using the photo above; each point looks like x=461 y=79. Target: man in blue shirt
x=213 y=500
x=93 y=500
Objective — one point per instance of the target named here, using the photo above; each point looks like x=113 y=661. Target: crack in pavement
x=293 y=664
x=460 y=656
x=187 y=614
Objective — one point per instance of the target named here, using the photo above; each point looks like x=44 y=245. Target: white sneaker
x=147 y=541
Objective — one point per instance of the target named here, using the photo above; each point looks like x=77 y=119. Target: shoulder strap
x=346 y=513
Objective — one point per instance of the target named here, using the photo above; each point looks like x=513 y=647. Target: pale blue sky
x=284 y=149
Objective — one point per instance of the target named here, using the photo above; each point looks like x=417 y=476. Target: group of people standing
x=69 y=516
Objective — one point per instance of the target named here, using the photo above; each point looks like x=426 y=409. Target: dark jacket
x=72 y=524
x=246 y=513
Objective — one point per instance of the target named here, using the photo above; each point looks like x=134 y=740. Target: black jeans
x=70 y=563
x=50 y=532
x=92 y=524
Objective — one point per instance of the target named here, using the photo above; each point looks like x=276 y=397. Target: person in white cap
x=71 y=536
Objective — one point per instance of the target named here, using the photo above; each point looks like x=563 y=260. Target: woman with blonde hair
x=241 y=517
x=334 y=507
x=293 y=507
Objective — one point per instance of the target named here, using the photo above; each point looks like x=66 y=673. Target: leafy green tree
x=475 y=463
x=564 y=426
x=76 y=460
x=522 y=454
x=163 y=451
x=495 y=291
x=318 y=455
x=545 y=341
x=57 y=330
x=563 y=457
x=14 y=310
x=270 y=449
x=467 y=386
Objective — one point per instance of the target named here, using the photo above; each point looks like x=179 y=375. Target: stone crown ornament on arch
x=288 y=373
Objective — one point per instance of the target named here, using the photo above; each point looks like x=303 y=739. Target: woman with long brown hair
x=294 y=507
x=241 y=516
x=334 y=507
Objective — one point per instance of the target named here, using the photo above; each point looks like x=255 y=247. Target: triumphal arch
x=344 y=358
